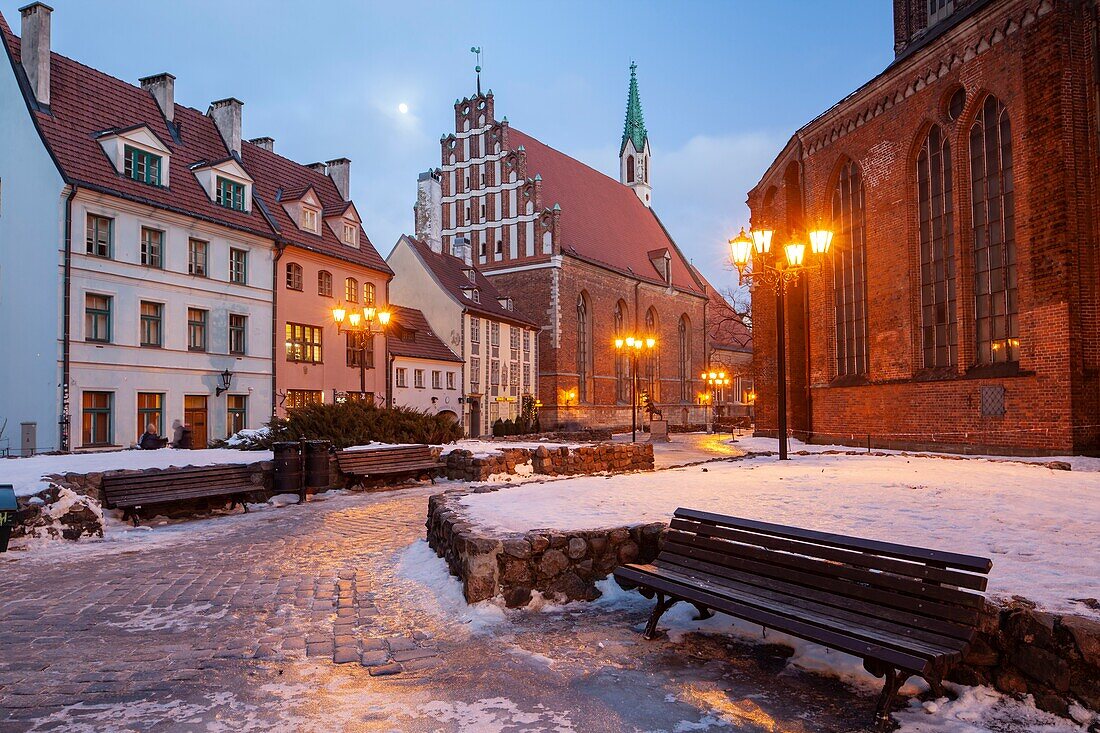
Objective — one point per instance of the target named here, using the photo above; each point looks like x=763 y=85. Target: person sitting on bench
x=150 y=439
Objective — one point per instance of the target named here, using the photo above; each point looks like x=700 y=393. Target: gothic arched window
x=584 y=349
x=622 y=361
x=849 y=284
x=997 y=327
x=630 y=169
x=939 y=327
x=653 y=361
x=685 y=358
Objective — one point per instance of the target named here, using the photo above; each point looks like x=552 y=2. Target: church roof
x=602 y=220
x=634 y=127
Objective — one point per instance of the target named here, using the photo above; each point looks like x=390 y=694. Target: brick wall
x=1037 y=57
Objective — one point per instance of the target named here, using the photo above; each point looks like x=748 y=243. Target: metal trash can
x=9 y=510
x=317 y=463
x=288 y=468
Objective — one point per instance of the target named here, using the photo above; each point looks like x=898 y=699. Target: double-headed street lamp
x=362 y=326
x=634 y=345
x=713 y=380
x=757 y=265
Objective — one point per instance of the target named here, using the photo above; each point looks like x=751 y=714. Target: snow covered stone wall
x=466 y=465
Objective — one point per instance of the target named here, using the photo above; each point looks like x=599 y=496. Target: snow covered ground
x=25 y=474
x=1040 y=526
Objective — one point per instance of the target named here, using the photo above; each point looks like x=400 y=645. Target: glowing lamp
x=650 y=343
x=369 y=312
x=630 y=341
x=703 y=375
x=796 y=252
x=820 y=239
x=353 y=319
x=762 y=240
x=740 y=249
x=384 y=317
x=619 y=343
x=338 y=314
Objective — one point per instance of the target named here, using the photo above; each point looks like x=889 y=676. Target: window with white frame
x=437 y=379
x=401 y=377
x=308 y=219
x=450 y=380
x=351 y=233
x=418 y=378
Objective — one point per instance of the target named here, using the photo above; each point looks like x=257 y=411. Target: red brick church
x=583 y=255
x=959 y=308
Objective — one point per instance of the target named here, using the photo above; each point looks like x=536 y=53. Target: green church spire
x=634 y=128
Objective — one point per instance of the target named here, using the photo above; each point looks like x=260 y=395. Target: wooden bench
x=904 y=610
x=390 y=461
x=133 y=491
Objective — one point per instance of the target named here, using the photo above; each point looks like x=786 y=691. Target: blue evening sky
x=723 y=84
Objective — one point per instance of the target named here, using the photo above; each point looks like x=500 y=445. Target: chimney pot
x=226 y=114
x=339 y=170
x=35 y=48
x=163 y=89
x=267 y=143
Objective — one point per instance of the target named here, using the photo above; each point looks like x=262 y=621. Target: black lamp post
x=757 y=265
x=227 y=379
x=634 y=345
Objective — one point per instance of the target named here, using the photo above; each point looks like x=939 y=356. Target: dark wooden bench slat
x=144 y=486
x=166 y=498
x=236 y=486
x=840 y=586
x=889 y=549
x=387 y=461
x=764 y=585
x=841 y=642
x=784 y=561
x=837 y=554
x=903 y=638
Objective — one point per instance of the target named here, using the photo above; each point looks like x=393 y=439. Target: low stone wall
x=463 y=465
x=1019 y=650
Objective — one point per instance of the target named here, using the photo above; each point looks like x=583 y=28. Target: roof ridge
x=576 y=160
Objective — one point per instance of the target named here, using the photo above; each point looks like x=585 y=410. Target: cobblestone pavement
x=298 y=619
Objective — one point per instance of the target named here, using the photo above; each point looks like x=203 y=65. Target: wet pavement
x=320 y=618
x=688 y=448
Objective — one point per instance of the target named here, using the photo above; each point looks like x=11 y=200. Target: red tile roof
x=278 y=179
x=601 y=219
x=725 y=329
x=450 y=272
x=84 y=102
x=425 y=344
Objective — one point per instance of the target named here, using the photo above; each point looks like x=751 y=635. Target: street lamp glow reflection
x=762 y=239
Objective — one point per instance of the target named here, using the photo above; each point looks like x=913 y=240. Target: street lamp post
x=713 y=380
x=363 y=326
x=634 y=345
x=756 y=265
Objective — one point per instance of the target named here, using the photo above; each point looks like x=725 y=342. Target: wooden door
x=474 y=428
x=194 y=414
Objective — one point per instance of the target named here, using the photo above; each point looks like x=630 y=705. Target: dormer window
x=477 y=295
x=472 y=294
x=471 y=275
x=142 y=166
x=351 y=234
x=230 y=194
x=308 y=219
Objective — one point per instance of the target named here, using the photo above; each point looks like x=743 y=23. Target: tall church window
x=653 y=359
x=939 y=328
x=622 y=361
x=584 y=349
x=630 y=169
x=992 y=196
x=849 y=284
x=685 y=359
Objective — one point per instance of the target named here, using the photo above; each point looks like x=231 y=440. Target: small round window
x=956 y=103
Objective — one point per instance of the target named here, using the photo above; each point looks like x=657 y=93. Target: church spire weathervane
x=476 y=50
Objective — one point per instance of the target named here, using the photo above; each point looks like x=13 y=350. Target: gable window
x=97 y=318
x=368 y=294
x=939 y=329
x=238 y=266
x=96 y=418
x=293 y=276
x=230 y=194
x=994 y=219
x=238 y=332
x=308 y=219
x=152 y=247
x=142 y=166
x=476 y=295
x=351 y=290
x=100 y=235
x=303 y=343
x=849 y=288
x=197 y=257
x=196 y=329
x=351 y=233
x=324 y=284
x=152 y=318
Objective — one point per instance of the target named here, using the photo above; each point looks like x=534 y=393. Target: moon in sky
x=403 y=108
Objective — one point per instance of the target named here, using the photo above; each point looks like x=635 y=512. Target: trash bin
x=288 y=468
x=317 y=463
x=8 y=512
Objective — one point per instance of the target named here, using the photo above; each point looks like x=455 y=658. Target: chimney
x=226 y=114
x=267 y=143
x=339 y=171
x=428 y=210
x=35 y=45
x=319 y=167
x=163 y=89
x=460 y=248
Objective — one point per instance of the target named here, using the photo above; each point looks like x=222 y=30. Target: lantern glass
x=353 y=319
x=820 y=241
x=762 y=240
x=619 y=343
x=369 y=312
x=740 y=249
x=338 y=314
x=630 y=341
x=650 y=343
x=384 y=317
x=796 y=253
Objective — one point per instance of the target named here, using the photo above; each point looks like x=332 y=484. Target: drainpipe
x=64 y=428
x=280 y=247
